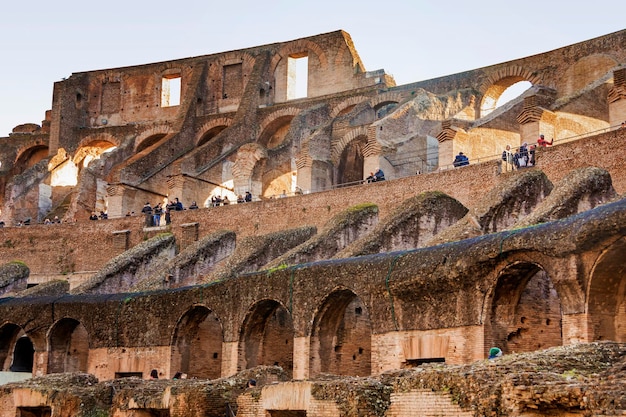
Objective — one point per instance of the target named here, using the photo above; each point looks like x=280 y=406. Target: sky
x=44 y=41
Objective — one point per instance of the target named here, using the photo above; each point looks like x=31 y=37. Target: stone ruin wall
x=54 y=250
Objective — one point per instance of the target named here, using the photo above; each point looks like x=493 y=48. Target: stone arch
x=346 y=105
x=275 y=126
x=248 y=156
x=525 y=310
x=151 y=136
x=28 y=156
x=68 y=347
x=92 y=147
x=196 y=347
x=16 y=349
x=341 y=336
x=498 y=81
x=211 y=129
x=606 y=295
x=266 y=337
x=386 y=98
x=296 y=47
x=584 y=72
x=338 y=146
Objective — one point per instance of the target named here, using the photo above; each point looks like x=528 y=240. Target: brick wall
x=424 y=403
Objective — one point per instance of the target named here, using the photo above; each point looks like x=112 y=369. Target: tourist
x=225 y=201
x=240 y=199
x=543 y=142
x=522 y=155
x=370 y=178
x=156 y=216
x=508 y=158
x=103 y=215
x=193 y=206
x=147 y=211
x=495 y=352
x=154 y=374
x=379 y=175
x=248 y=197
x=460 y=160
x=179 y=205
x=93 y=216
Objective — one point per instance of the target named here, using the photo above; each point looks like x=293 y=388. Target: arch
x=296 y=47
x=197 y=344
x=267 y=337
x=341 y=336
x=275 y=126
x=352 y=161
x=384 y=99
x=211 y=129
x=338 y=146
x=29 y=156
x=606 y=296
x=68 y=347
x=16 y=349
x=346 y=105
x=150 y=137
x=498 y=81
x=525 y=311
x=584 y=72
x=93 y=148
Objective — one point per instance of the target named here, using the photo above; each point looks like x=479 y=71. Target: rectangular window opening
x=412 y=363
x=297 y=76
x=128 y=375
x=170 y=90
x=34 y=411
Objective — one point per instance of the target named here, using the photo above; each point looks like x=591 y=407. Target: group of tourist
x=379 y=175
x=103 y=216
x=524 y=156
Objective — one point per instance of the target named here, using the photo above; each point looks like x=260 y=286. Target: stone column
x=301 y=350
x=617 y=98
x=304 y=166
x=371 y=153
x=121 y=200
x=248 y=156
x=451 y=140
x=230 y=355
x=535 y=119
x=177 y=187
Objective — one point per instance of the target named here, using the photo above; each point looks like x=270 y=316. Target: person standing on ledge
x=543 y=142
x=460 y=160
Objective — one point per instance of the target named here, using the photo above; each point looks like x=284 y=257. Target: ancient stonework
x=291 y=263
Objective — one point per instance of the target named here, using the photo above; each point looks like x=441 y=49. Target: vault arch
x=341 y=336
x=211 y=129
x=68 y=347
x=196 y=347
x=16 y=349
x=525 y=310
x=606 y=296
x=267 y=337
x=497 y=83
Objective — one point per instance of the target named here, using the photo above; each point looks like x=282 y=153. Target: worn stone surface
x=338 y=233
x=413 y=223
x=252 y=253
x=500 y=208
x=580 y=190
x=13 y=276
x=122 y=272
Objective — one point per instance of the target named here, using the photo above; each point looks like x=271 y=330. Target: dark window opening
x=412 y=363
x=128 y=375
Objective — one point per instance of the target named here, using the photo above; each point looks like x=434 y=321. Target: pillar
x=535 y=119
x=617 y=98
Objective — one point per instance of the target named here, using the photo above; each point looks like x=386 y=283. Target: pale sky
x=43 y=41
